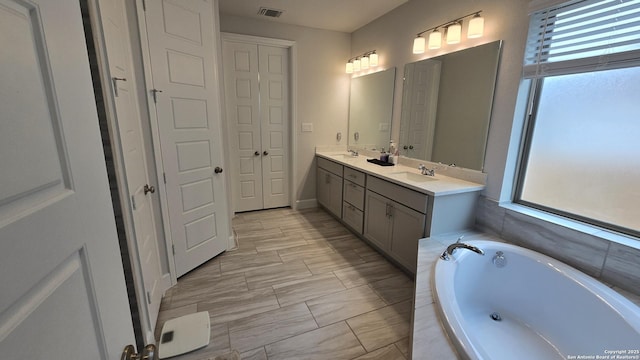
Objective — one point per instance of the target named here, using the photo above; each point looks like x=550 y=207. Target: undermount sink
x=342 y=156
x=412 y=177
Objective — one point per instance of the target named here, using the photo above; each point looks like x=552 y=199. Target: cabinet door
x=377 y=224
x=329 y=191
x=407 y=228
x=322 y=187
x=335 y=195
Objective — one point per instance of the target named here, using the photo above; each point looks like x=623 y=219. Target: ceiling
x=339 y=15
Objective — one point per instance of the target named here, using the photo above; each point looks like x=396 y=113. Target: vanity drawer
x=330 y=166
x=413 y=199
x=354 y=175
x=353 y=193
x=352 y=217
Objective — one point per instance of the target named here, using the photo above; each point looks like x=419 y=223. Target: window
x=581 y=149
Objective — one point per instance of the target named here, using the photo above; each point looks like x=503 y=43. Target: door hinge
x=144 y=5
x=148 y=298
x=173 y=248
x=164 y=176
x=133 y=201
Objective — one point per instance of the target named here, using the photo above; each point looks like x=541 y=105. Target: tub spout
x=446 y=255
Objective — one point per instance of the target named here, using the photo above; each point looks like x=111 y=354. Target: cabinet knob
x=257 y=153
x=265 y=153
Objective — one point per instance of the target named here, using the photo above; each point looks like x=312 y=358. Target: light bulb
x=364 y=62
x=435 y=40
x=373 y=60
x=349 y=69
x=356 y=65
x=418 y=45
x=476 y=27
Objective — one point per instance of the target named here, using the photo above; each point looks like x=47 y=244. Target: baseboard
x=306 y=204
x=232 y=242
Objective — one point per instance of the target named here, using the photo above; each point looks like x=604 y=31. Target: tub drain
x=495 y=316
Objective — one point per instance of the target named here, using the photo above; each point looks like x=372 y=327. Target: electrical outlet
x=307 y=127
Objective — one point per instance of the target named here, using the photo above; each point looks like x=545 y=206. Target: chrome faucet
x=353 y=152
x=446 y=255
x=424 y=171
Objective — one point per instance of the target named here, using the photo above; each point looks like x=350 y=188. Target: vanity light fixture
x=373 y=59
x=476 y=26
x=454 y=33
x=362 y=62
x=356 y=64
x=349 y=69
x=435 y=39
x=453 y=30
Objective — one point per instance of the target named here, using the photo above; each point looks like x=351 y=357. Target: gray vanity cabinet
x=392 y=226
x=329 y=186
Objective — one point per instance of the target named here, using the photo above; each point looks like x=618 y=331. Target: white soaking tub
x=533 y=307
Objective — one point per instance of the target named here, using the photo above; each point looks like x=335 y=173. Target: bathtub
x=534 y=307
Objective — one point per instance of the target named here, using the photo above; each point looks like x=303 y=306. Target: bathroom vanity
x=393 y=207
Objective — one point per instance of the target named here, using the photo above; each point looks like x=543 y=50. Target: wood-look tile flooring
x=299 y=286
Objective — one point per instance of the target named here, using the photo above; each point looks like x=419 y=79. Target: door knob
x=149 y=189
x=218 y=170
x=265 y=153
x=257 y=153
x=148 y=353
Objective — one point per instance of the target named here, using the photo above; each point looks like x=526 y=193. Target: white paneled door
x=119 y=82
x=257 y=105
x=182 y=53
x=63 y=292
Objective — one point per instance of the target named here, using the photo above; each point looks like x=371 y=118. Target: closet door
x=243 y=116
x=256 y=81
x=274 y=112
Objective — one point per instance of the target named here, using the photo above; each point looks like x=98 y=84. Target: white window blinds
x=584 y=35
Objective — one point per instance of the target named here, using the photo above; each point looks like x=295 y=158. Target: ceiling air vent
x=270 y=12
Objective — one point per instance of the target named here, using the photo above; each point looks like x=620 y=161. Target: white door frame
x=118 y=159
x=293 y=107
x=155 y=134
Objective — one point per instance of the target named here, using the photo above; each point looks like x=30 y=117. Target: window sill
x=608 y=235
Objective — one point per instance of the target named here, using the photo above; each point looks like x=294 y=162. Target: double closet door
x=257 y=105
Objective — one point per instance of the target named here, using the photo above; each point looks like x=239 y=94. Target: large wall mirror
x=446 y=106
x=370 y=110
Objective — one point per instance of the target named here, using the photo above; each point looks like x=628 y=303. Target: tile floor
x=299 y=286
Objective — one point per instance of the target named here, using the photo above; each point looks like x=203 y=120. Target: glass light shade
x=476 y=27
x=435 y=40
x=356 y=65
x=349 y=69
x=418 y=45
x=373 y=60
x=364 y=62
x=454 y=33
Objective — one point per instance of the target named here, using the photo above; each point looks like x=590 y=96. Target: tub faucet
x=353 y=153
x=446 y=255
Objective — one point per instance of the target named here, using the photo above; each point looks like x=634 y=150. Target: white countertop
x=438 y=185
